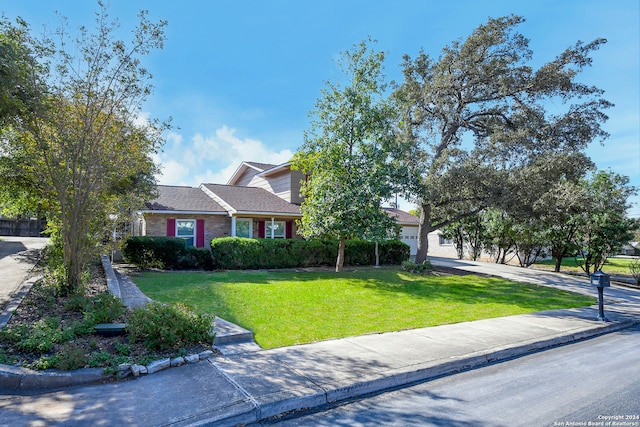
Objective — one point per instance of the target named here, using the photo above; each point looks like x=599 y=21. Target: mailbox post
x=601 y=281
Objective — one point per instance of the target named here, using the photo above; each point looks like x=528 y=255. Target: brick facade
x=214 y=225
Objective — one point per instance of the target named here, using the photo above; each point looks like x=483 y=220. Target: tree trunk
x=377 y=255
x=340 y=261
x=558 y=264
x=424 y=228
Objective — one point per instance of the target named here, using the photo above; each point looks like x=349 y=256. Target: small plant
x=99 y=358
x=71 y=356
x=425 y=267
x=169 y=327
x=104 y=308
x=39 y=338
x=634 y=269
x=7 y=359
x=123 y=349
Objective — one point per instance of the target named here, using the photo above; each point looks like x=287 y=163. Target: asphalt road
x=595 y=381
x=18 y=255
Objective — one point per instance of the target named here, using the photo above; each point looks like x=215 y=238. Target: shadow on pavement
x=10 y=248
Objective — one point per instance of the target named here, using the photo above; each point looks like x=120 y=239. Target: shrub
x=242 y=253
x=98 y=359
x=104 y=308
x=38 y=338
x=169 y=327
x=393 y=252
x=71 y=356
x=196 y=259
x=154 y=252
x=424 y=267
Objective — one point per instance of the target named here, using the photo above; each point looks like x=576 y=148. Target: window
x=186 y=229
x=444 y=241
x=278 y=228
x=243 y=227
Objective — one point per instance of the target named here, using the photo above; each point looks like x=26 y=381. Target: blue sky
x=239 y=77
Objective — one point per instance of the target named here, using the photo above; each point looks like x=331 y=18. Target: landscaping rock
x=158 y=365
x=124 y=370
x=192 y=358
x=178 y=361
x=135 y=370
x=205 y=354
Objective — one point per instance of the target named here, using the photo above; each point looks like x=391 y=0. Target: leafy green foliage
x=411 y=266
x=484 y=91
x=74 y=147
x=345 y=156
x=104 y=308
x=71 y=356
x=163 y=327
x=242 y=253
x=154 y=252
x=604 y=227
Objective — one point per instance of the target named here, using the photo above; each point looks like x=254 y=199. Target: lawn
x=287 y=307
x=617 y=266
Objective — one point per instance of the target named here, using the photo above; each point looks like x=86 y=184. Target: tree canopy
x=477 y=129
x=80 y=149
x=345 y=155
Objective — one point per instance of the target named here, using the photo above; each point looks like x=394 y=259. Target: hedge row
x=235 y=253
x=241 y=253
x=167 y=253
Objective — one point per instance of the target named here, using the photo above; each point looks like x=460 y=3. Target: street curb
x=406 y=377
x=17 y=378
x=22 y=292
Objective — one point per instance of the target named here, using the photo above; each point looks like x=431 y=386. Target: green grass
x=612 y=266
x=287 y=307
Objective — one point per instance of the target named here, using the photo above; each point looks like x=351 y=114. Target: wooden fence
x=22 y=227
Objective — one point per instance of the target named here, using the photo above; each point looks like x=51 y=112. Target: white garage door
x=409 y=235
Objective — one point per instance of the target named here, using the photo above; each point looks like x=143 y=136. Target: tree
x=559 y=211
x=81 y=150
x=474 y=123
x=345 y=155
x=604 y=226
x=469 y=232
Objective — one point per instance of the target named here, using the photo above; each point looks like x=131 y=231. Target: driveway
x=578 y=284
x=18 y=255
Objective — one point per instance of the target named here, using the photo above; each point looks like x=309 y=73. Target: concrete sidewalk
x=249 y=387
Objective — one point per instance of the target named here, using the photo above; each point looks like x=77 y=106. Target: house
x=260 y=200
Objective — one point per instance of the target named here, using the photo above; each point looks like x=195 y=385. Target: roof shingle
x=185 y=199
x=252 y=199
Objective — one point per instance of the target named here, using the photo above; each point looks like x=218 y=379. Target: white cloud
x=212 y=159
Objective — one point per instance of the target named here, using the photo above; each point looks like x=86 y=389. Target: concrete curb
x=24 y=289
x=403 y=377
x=17 y=378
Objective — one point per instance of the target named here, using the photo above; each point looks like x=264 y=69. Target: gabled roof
x=183 y=199
x=249 y=200
x=403 y=218
x=275 y=169
x=258 y=167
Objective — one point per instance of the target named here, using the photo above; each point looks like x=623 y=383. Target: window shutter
x=261 y=229
x=289 y=232
x=171 y=227
x=200 y=233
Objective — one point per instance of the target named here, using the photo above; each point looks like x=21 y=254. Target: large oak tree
x=482 y=127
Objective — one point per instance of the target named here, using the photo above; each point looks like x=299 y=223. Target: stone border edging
x=19 y=378
x=24 y=289
x=112 y=281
